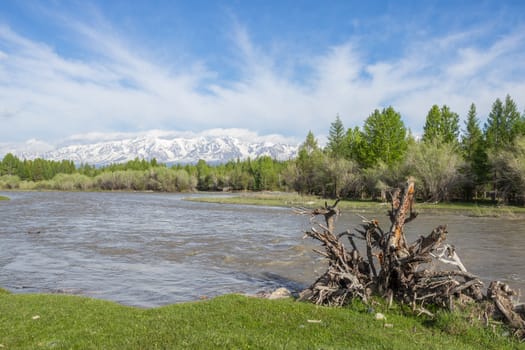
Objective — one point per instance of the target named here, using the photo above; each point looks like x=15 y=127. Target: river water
x=151 y=249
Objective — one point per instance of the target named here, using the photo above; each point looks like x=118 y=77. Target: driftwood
x=390 y=267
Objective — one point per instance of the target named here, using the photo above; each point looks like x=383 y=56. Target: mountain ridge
x=172 y=150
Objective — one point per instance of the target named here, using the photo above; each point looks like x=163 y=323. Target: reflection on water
x=150 y=249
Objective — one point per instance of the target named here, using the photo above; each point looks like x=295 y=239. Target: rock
x=380 y=317
x=280 y=293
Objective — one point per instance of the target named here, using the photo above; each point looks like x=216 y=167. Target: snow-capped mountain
x=212 y=149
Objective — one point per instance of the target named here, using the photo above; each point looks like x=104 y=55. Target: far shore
x=285 y=199
x=294 y=200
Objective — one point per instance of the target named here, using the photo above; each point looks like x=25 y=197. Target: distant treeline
x=141 y=175
x=447 y=163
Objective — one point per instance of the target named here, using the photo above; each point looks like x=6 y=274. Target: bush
x=9 y=182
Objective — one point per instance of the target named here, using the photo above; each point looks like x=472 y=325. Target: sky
x=72 y=70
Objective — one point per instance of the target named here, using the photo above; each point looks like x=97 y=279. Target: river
x=152 y=249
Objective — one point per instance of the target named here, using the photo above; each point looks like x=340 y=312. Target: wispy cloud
x=119 y=87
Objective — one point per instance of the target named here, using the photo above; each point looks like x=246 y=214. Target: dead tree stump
x=394 y=269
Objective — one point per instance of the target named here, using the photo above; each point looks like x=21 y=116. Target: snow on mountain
x=211 y=148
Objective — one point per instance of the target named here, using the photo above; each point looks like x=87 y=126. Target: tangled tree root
x=400 y=271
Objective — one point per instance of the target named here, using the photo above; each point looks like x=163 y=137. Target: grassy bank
x=3 y=198
x=295 y=200
x=229 y=322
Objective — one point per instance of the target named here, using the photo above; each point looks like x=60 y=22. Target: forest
x=449 y=162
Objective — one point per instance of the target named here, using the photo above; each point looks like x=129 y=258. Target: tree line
x=259 y=174
x=448 y=162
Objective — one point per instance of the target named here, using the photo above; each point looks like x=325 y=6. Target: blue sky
x=92 y=69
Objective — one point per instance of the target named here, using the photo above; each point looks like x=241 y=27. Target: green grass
x=39 y=321
x=3 y=198
x=295 y=200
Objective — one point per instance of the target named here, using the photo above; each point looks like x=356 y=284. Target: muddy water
x=148 y=249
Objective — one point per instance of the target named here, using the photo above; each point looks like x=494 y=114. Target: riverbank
x=283 y=199
x=232 y=321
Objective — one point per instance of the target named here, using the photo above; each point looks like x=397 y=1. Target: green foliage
x=336 y=146
x=265 y=174
x=384 y=138
x=441 y=124
x=9 y=182
x=10 y=165
x=377 y=180
x=71 y=182
x=476 y=166
x=294 y=199
x=342 y=177
x=436 y=167
x=34 y=170
x=509 y=167
x=135 y=164
x=503 y=124
x=310 y=169
x=354 y=144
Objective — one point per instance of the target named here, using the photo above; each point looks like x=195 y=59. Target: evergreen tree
x=310 y=144
x=494 y=125
x=510 y=112
x=336 y=139
x=472 y=135
x=473 y=148
x=502 y=124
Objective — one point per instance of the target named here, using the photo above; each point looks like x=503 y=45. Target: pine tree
x=336 y=139
x=513 y=117
x=475 y=170
x=503 y=124
x=472 y=135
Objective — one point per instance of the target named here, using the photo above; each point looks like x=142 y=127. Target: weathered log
x=400 y=208
x=501 y=294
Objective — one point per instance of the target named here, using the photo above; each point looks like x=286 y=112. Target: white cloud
x=120 y=88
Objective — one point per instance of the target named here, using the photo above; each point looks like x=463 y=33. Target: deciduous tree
x=441 y=124
x=384 y=138
x=436 y=165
